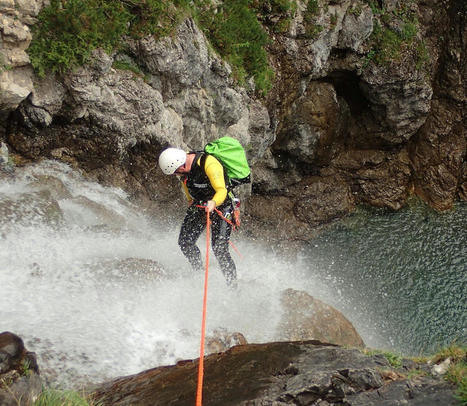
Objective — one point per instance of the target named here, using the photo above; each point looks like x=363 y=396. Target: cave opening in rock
x=346 y=84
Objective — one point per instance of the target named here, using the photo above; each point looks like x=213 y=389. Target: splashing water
x=68 y=285
x=98 y=290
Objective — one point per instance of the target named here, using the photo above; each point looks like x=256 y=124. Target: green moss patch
x=69 y=30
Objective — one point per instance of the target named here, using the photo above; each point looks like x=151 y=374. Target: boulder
x=30 y=208
x=221 y=340
x=307 y=318
x=20 y=383
x=128 y=270
x=319 y=200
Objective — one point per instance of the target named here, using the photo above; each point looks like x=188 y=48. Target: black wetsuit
x=200 y=189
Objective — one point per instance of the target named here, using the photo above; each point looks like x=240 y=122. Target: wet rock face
x=298 y=373
x=409 y=115
x=114 y=124
x=314 y=123
x=20 y=383
x=294 y=213
x=30 y=208
x=378 y=178
x=438 y=152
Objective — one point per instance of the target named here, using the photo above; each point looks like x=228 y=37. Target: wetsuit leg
x=193 y=225
x=220 y=244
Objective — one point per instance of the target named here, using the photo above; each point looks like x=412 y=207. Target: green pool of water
x=404 y=273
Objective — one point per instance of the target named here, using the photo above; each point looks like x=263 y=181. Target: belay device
x=230 y=153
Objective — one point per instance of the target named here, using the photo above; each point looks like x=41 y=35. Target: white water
x=88 y=322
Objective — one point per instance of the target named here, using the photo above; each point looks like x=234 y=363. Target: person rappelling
x=207 y=187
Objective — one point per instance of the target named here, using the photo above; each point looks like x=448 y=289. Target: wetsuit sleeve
x=215 y=172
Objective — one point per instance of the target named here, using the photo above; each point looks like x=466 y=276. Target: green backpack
x=230 y=153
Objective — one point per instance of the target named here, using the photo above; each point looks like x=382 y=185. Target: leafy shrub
x=157 y=17
x=125 y=65
x=387 y=44
x=312 y=29
x=282 y=10
x=69 y=30
x=235 y=32
x=312 y=7
x=395 y=360
x=395 y=34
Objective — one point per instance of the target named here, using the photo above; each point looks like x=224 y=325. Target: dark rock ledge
x=272 y=374
x=282 y=373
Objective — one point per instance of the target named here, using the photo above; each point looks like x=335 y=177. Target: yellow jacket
x=215 y=173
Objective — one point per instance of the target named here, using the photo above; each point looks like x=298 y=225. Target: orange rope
x=236 y=249
x=224 y=218
x=199 y=392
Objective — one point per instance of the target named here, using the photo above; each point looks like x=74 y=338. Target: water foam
x=88 y=322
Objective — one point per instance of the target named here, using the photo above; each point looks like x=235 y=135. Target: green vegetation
x=125 y=65
x=356 y=11
x=5 y=68
x=235 y=32
x=52 y=397
x=312 y=8
x=415 y=373
x=422 y=55
x=312 y=29
x=387 y=44
x=283 y=10
x=374 y=7
x=456 y=373
x=25 y=368
x=69 y=30
x=395 y=360
x=333 y=20
x=455 y=352
x=395 y=35
x=3 y=65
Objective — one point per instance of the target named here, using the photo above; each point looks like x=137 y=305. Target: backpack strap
x=202 y=164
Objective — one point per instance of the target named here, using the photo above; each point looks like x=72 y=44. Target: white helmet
x=170 y=159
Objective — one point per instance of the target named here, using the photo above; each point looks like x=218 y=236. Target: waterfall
x=98 y=289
